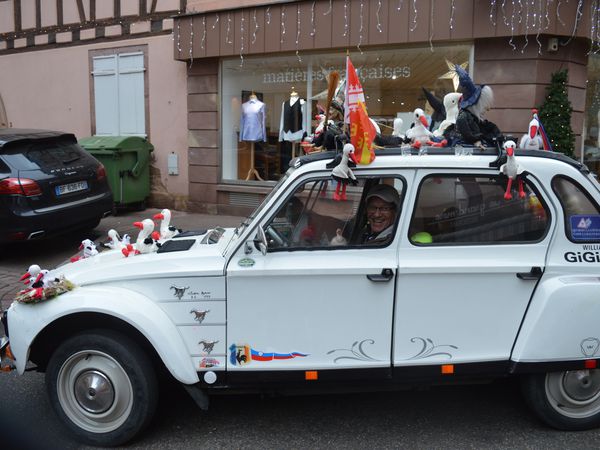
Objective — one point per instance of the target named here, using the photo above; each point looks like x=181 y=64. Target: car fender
x=562 y=322
x=26 y=321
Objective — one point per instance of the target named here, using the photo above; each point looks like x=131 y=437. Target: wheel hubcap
x=575 y=393
x=94 y=392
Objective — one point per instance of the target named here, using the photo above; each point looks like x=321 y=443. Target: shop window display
x=293 y=91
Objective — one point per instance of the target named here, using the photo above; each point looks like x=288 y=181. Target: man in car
x=383 y=203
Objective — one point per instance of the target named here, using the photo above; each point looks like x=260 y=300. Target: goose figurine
x=146 y=240
x=512 y=170
x=167 y=231
x=115 y=241
x=343 y=174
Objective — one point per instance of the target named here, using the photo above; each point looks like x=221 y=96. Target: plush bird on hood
x=167 y=231
x=146 y=241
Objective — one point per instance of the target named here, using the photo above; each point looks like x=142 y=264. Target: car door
x=318 y=299
x=468 y=267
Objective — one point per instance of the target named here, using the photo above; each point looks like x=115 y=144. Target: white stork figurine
x=167 y=231
x=532 y=140
x=115 y=241
x=512 y=170
x=146 y=240
x=451 y=102
x=343 y=174
x=419 y=132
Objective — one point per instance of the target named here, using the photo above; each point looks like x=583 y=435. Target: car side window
x=582 y=214
x=311 y=218
x=471 y=209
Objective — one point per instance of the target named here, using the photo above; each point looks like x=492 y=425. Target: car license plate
x=71 y=187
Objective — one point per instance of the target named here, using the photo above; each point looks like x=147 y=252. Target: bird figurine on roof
x=512 y=170
x=167 y=231
x=343 y=174
x=535 y=138
x=115 y=241
x=451 y=102
x=87 y=249
x=419 y=134
x=146 y=241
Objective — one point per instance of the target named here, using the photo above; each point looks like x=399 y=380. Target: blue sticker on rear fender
x=585 y=227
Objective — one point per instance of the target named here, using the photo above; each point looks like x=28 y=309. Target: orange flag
x=362 y=130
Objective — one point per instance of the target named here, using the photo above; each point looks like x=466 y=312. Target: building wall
x=24 y=86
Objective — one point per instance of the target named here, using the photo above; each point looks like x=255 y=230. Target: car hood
x=201 y=259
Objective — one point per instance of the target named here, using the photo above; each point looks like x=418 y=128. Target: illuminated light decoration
x=255 y=27
x=492 y=11
x=242 y=41
x=360 y=31
x=178 y=42
x=312 y=18
x=282 y=25
x=400 y=3
x=431 y=27
x=268 y=15
x=330 y=8
x=191 y=41
x=452 y=9
x=203 y=32
x=452 y=75
x=415 y=13
x=379 y=28
x=216 y=21
x=345 y=18
x=298 y=33
x=227 y=39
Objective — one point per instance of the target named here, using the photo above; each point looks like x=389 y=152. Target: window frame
x=566 y=224
x=320 y=176
x=143 y=48
x=428 y=175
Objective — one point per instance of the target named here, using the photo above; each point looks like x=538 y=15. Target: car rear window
x=43 y=154
x=582 y=214
x=471 y=209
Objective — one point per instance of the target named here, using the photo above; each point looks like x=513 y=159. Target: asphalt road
x=479 y=416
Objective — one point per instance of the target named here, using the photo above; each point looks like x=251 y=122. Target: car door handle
x=534 y=274
x=385 y=275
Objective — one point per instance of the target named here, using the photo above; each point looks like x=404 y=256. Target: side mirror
x=260 y=240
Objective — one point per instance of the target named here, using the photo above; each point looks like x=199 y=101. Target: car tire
x=102 y=386
x=568 y=400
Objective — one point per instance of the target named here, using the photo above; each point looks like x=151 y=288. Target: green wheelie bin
x=127 y=163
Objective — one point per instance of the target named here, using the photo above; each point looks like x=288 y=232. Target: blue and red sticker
x=244 y=354
x=585 y=227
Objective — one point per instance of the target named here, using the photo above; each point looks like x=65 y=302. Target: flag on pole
x=362 y=130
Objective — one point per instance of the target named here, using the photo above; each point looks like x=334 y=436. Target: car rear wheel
x=102 y=386
x=568 y=400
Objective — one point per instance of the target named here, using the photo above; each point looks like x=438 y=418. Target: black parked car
x=48 y=185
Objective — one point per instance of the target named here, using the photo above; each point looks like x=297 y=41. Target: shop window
x=582 y=214
x=311 y=219
x=254 y=146
x=119 y=94
x=471 y=209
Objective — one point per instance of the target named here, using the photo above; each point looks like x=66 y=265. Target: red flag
x=362 y=130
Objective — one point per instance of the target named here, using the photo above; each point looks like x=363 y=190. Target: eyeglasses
x=383 y=209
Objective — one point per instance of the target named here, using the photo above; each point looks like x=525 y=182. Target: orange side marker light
x=448 y=369
x=311 y=375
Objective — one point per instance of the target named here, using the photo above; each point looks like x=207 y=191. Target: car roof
x=8 y=135
x=444 y=158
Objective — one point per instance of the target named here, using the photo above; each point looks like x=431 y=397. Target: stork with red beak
x=419 y=134
x=533 y=140
x=146 y=240
x=512 y=170
x=31 y=276
x=87 y=249
x=167 y=231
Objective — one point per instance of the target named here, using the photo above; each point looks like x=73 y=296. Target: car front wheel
x=102 y=387
x=568 y=400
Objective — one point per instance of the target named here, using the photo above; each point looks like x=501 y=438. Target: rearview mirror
x=260 y=240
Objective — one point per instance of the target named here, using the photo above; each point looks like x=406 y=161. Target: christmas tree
x=555 y=114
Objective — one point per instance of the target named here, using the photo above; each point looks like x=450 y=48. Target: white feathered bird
x=512 y=170
x=419 y=132
x=167 y=231
x=451 y=102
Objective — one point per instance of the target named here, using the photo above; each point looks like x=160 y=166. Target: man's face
x=380 y=214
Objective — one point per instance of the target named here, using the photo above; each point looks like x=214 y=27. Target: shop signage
x=364 y=73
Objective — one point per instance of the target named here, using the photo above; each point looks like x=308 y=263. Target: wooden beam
x=182 y=5
x=117 y=12
x=92 y=10
x=81 y=10
x=17 y=16
x=142 y=10
x=153 y=7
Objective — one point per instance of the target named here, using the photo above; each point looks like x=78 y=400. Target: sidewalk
x=15 y=259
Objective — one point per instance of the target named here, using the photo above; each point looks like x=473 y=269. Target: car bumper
x=7 y=361
x=47 y=222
